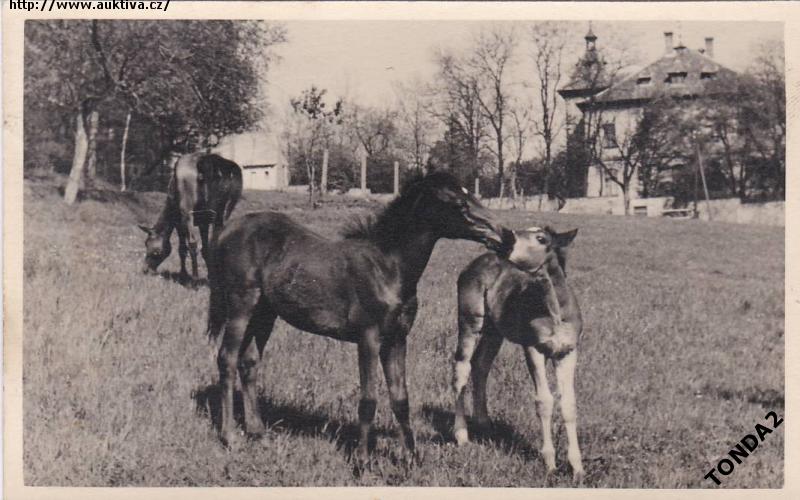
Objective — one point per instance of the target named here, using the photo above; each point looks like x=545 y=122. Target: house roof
x=678 y=74
x=251 y=148
x=589 y=73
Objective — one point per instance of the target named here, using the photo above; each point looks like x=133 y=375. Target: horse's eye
x=542 y=240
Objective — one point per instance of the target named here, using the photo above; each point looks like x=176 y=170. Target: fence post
x=323 y=183
x=396 y=178
x=477 y=187
x=364 y=174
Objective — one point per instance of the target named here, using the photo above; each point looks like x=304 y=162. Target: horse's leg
x=469 y=326
x=565 y=377
x=487 y=349
x=544 y=403
x=183 y=250
x=393 y=359
x=258 y=332
x=368 y=353
x=204 y=241
x=193 y=252
x=240 y=307
x=187 y=221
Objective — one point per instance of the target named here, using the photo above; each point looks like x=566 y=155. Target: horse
x=203 y=191
x=360 y=289
x=525 y=299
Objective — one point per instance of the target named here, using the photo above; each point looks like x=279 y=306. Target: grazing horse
x=203 y=191
x=360 y=289
x=526 y=300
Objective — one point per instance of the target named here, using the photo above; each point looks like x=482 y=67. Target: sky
x=361 y=59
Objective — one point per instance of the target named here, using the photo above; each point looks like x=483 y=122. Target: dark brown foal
x=360 y=289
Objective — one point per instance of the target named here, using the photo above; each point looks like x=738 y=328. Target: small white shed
x=259 y=155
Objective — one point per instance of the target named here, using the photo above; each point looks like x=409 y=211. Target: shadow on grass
x=287 y=418
x=768 y=399
x=183 y=280
x=500 y=433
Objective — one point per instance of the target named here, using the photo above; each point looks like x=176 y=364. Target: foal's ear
x=564 y=239
x=145 y=228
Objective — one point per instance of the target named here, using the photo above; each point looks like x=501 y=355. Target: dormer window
x=708 y=75
x=676 y=77
x=643 y=80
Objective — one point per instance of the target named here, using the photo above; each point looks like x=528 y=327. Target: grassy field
x=682 y=355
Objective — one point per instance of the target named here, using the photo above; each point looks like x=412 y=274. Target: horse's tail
x=218 y=301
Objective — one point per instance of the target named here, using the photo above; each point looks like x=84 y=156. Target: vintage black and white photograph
x=487 y=253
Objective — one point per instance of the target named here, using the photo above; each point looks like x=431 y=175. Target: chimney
x=710 y=47
x=668 y=42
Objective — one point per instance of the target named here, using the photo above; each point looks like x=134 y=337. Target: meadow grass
x=682 y=354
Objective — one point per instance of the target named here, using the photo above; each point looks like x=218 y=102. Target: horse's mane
x=383 y=225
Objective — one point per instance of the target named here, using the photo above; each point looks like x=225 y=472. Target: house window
x=643 y=80
x=708 y=75
x=609 y=135
x=676 y=77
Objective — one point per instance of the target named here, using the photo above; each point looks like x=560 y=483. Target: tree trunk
x=123 y=186
x=548 y=155
x=512 y=181
x=78 y=161
x=311 y=179
x=91 y=155
x=703 y=179
x=626 y=197
x=501 y=172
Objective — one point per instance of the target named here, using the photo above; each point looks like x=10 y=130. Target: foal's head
x=157 y=249
x=445 y=206
x=535 y=248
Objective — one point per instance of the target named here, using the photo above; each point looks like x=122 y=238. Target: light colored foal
x=526 y=300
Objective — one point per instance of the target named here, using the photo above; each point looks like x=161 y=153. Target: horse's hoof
x=482 y=425
x=255 y=435
x=578 y=476
x=462 y=436
x=226 y=439
x=361 y=465
x=255 y=429
x=412 y=459
x=416 y=457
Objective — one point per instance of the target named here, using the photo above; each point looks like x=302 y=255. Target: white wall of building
x=264 y=178
x=259 y=154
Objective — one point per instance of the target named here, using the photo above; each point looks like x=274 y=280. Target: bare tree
x=375 y=129
x=309 y=129
x=548 y=44
x=457 y=106
x=490 y=61
x=521 y=122
x=416 y=120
